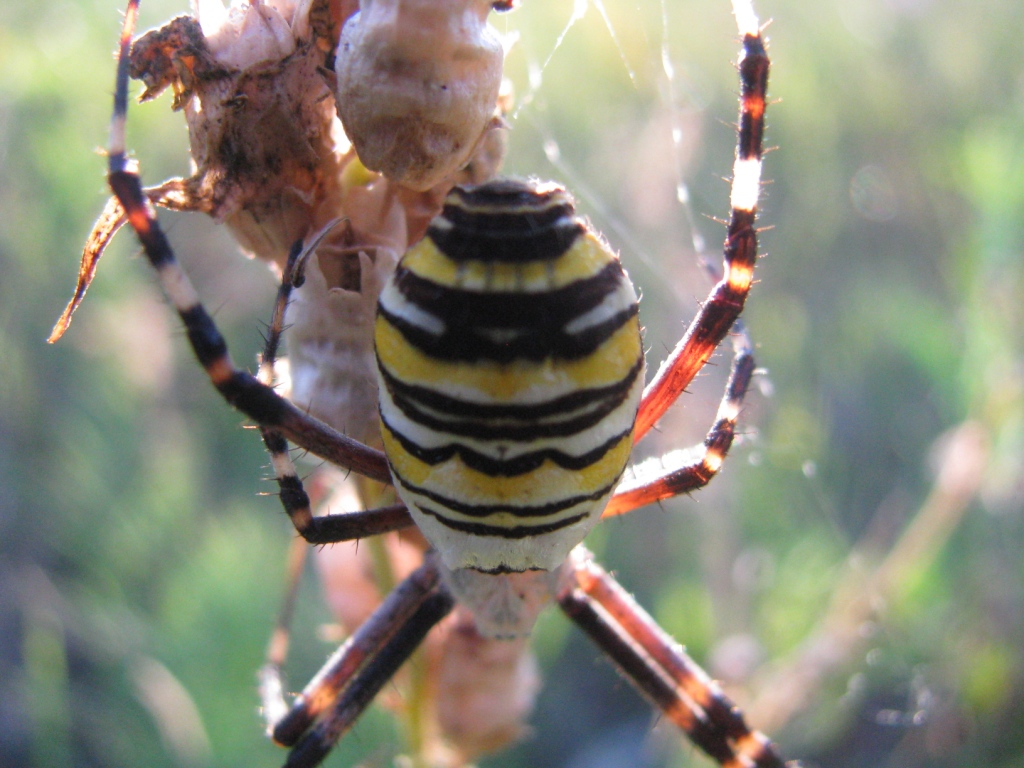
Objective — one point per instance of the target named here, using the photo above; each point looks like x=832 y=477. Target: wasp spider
x=511 y=380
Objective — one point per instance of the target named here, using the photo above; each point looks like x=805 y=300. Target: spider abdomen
x=510 y=367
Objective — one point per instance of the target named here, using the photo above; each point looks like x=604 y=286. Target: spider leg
x=725 y=302
x=333 y=700
x=660 y=668
x=703 y=462
x=240 y=388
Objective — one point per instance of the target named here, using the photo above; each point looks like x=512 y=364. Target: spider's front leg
x=726 y=299
x=240 y=388
x=659 y=667
x=719 y=312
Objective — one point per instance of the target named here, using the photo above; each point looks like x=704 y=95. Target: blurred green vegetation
x=140 y=572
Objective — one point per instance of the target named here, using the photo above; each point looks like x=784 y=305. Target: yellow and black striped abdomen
x=510 y=367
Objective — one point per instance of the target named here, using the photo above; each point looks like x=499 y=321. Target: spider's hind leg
x=333 y=700
x=659 y=667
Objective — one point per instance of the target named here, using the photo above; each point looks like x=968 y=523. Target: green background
x=136 y=556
